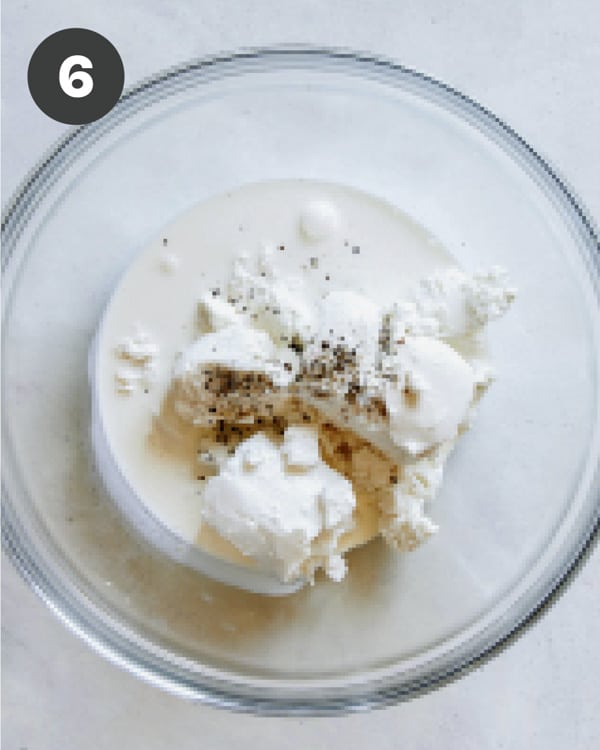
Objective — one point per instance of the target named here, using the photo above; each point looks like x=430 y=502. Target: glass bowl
x=519 y=506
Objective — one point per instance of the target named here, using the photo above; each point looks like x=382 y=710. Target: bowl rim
x=67 y=149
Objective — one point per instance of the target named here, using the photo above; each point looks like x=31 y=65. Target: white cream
x=319 y=220
x=169 y=263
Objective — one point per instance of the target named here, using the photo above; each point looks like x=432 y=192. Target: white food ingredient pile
x=293 y=383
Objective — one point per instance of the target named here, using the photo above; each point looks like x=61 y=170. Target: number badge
x=75 y=76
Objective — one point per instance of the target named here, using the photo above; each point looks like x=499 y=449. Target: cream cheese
x=428 y=391
x=232 y=373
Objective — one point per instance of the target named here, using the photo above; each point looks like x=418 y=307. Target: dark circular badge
x=75 y=76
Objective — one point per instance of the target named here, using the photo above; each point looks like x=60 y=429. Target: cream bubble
x=319 y=220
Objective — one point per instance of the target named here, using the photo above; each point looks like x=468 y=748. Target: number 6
x=66 y=78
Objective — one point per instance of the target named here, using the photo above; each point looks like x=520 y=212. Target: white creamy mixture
x=284 y=373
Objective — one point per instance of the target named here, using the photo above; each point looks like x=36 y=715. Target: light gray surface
x=536 y=65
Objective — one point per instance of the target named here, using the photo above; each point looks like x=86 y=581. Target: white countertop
x=536 y=65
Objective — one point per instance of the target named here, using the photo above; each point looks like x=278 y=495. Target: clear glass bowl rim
x=21 y=207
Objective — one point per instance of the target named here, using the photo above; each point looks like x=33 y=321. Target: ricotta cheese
x=137 y=356
x=280 y=306
x=282 y=505
x=404 y=524
x=450 y=303
x=348 y=321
